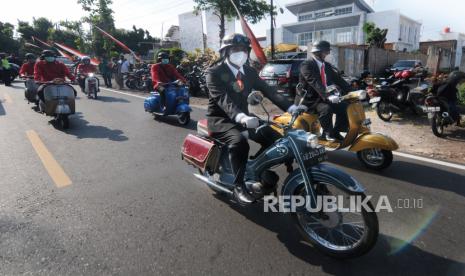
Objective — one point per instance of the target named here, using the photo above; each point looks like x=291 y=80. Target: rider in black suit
x=315 y=82
x=230 y=83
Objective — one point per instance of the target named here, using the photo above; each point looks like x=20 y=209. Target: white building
x=341 y=22
x=212 y=26
x=460 y=46
x=403 y=32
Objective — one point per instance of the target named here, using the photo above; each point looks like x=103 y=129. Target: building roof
x=311 y=5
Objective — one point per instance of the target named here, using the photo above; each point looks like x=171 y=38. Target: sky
x=155 y=15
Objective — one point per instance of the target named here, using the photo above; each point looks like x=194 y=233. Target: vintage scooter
x=59 y=101
x=91 y=85
x=374 y=150
x=176 y=102
x=338 y=234
x=30 y=90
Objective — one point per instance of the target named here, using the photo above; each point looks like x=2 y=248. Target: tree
x=7 y=42
x=376 y=37
x=101 y=15
x=252 y=10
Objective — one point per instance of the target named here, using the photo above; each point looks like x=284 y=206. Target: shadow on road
x=2 y=109
x=82 y=129
x=173 y=121
x=428 y=176
x=411 y=260
x=108 y=99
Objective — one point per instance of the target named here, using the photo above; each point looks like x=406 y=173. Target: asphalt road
x=134 y=208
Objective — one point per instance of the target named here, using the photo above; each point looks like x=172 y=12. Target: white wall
x=190 y=31
x=387 y=20
x=213 y=30
x=460 y=43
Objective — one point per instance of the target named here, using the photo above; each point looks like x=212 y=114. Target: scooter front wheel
x=184 y=118
x=376 y=159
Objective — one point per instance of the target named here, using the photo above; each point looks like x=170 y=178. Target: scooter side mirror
x=255 y=98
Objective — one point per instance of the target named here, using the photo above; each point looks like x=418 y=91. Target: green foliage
x=462 y=94
x=252 y=10
x=7 y=42
x=375 y=36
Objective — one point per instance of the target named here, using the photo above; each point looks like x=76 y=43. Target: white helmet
x=85 y=59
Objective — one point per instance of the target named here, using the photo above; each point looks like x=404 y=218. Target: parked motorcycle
x=91 y=85
x=438 y=114
x=197 y=82
x=389 y=98
x=374 y=150
x=338 y=234
x=59 y=102
x=176 y=102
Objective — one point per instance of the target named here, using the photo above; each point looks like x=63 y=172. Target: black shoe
x=327 y=137
x=338 y=136
x=242 y=195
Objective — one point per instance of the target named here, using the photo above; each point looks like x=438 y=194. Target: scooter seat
x=202 y=128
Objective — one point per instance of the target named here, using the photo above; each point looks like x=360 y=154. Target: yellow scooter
x=374 y=150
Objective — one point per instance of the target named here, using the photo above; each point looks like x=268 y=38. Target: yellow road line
x=54 y=169
x=7 y=98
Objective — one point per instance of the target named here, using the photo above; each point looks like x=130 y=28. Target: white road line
x=429 y=160
x=405 y=155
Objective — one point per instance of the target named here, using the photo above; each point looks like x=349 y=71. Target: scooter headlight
x=312 y=141
x=91 y=75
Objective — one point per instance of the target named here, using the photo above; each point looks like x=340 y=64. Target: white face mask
x=238 y=58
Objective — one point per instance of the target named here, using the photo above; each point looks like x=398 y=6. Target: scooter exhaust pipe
x=212 y=184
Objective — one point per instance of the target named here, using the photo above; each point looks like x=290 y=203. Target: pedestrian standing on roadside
x=118 y=75
x=5 y=69
x=105 y=70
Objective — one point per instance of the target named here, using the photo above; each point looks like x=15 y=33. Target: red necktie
x=239 y=81
x=323 y=75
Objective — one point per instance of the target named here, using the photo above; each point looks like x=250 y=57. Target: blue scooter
x=176 y=103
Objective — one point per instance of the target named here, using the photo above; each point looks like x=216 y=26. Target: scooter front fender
x=183 y=108
x=373 y=141
x=322 y=173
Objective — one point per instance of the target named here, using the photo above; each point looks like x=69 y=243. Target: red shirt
x=27 y=69
x=163 y=75
x=48 y=71
x=86 y=68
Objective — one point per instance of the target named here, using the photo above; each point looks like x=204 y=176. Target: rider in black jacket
x=230 y=82
x=448 y=91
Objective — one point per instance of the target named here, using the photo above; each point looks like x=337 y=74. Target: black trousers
x=107 y=79
x=325 y=114
x=238 y=147
x=5 y=73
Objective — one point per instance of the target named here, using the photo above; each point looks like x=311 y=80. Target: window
x=344 y=35
x=305 y=17
x=321 y=14
x=324 y=35
x=305 y=38
x=340 y=11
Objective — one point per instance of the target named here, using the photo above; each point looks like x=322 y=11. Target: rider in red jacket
x=49 y=69
x=84 y=68
x=27 y=69
x=164 y=72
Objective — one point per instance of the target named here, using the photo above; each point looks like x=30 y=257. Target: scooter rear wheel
x=184 y=118
x=437 y=125
x=376 y=159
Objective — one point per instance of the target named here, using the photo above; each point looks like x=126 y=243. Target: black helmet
x=321 y=46
x=48 y=53
x=456 y=77
x=234 y=40
x=30 y=56
x=163 y=55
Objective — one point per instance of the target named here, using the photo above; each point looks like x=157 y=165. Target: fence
x=379 y=59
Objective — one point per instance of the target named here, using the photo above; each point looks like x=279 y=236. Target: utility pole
x=161 y=37
x=272 y=30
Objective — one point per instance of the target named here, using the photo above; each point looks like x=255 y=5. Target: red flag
x=64 y=54
x=253 y=40
x=121 y=44
x=44 y=43
x=76 y=53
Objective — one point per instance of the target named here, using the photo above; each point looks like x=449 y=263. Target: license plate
x=430 y=109
x=314 y=156
x=375 y=99
x=272 y=82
